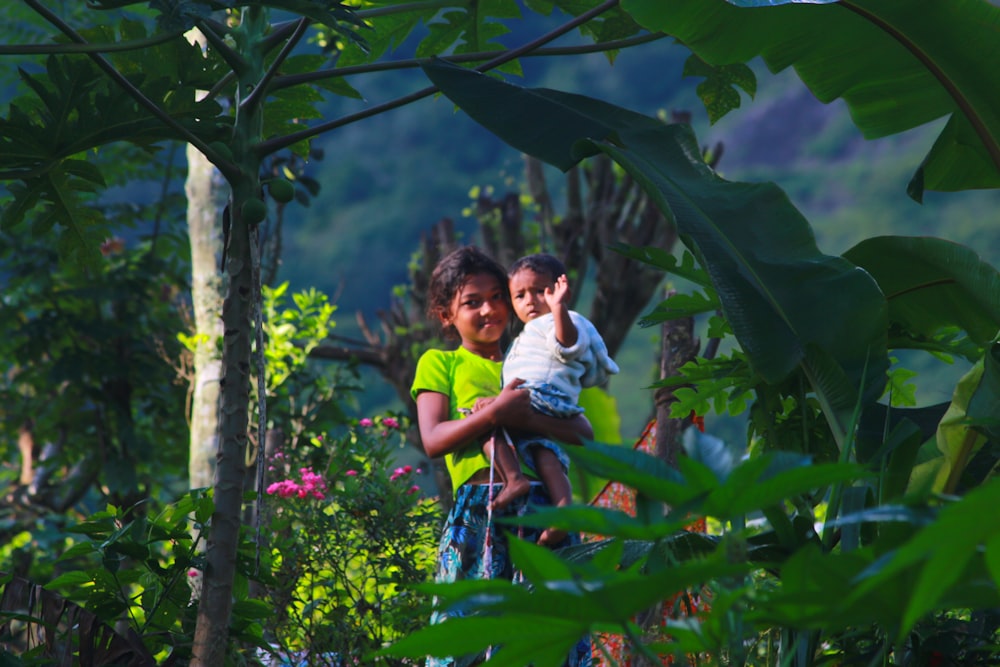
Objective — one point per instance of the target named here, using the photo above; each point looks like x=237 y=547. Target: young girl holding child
x=468 y=295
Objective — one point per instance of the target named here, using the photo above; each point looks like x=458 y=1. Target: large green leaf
x=940 y=555
x=931 y=284
x=897 y=63
x=781 y=296
x=984 y=404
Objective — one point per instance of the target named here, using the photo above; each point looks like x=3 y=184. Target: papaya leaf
x=644 y=473
x=598 y=521
x=472 y=634
x=752 y=487
x=718 y=92
x=938 y=554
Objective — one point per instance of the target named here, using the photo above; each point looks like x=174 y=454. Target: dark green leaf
x=932 y=283
x=922 y=60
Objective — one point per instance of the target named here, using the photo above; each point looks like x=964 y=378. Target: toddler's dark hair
x=542 y=263
x=451 y=273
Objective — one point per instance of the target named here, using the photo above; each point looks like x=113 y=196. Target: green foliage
x=91 y=375
x=719 y=91
x=781 y=285
x=347 y=543
x=928 y=65
x=815 y=330
x=304 y=396
x=919 y=559
x=75 y=108
x=140 y=570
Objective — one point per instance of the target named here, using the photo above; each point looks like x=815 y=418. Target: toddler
x=557 y=354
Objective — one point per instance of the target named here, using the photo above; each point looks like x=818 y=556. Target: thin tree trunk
x=217 y=585
x=238 y=325
x=206 y=192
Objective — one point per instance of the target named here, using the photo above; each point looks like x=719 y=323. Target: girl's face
x=479 y=312
x=527 y=291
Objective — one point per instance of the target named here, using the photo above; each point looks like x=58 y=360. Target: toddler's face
x=527 y=291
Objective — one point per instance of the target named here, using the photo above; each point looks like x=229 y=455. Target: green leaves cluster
x=344 y=566
x=922 y=61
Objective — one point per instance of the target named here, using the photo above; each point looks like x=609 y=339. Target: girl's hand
x=482 y=403
x=512 y=405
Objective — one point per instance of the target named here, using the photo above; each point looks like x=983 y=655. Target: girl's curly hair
x=451 y=273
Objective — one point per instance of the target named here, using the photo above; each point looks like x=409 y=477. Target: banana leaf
x=790 y=306
x=931 y=284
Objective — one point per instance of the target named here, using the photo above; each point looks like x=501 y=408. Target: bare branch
x=257 y=93
x=87 y=47
x=279 y=143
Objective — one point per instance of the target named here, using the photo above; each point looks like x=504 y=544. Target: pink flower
x=192 y=573
x=351 y=473
x=390 y=422
x=366 y=422
x=312 y=485
x=413 y=489
x=399 y=472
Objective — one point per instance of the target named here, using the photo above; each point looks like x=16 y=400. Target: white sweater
x=537 y=357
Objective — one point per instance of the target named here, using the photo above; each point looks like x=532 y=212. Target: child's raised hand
x=558 y=294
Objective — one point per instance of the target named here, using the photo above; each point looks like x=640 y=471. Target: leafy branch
x=121 y=80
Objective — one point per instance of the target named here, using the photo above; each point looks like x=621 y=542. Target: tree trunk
x=217 y=585
x=679 y=346
x=206 y=192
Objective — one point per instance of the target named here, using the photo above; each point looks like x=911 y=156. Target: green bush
x=346 y=543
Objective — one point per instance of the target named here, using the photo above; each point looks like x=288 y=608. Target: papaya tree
x=126 y=73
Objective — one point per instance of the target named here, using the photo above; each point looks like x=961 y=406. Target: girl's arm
x=440 y=434
x=570 y=431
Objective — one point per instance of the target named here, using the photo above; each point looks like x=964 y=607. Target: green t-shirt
x=463 y=377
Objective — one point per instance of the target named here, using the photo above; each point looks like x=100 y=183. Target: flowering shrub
x=348 y=539
x=312 y=485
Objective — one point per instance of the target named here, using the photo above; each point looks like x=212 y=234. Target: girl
x=468 y=295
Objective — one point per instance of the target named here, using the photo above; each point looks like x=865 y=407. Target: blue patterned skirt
x=460 y=554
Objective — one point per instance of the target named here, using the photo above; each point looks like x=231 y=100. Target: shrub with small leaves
x=348 y=541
